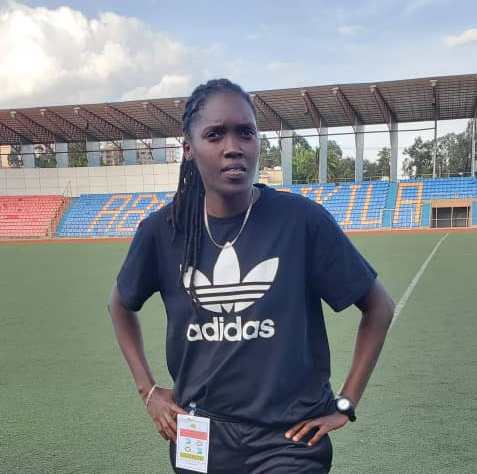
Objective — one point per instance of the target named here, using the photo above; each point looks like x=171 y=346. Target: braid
x=186 y=215
x=187 y=206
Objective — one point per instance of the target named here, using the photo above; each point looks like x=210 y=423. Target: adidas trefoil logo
x=228 y=293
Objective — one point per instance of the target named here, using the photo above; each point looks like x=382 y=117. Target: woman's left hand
x=324 y=424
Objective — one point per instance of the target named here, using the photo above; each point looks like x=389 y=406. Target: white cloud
x=467 y=36
x=169 y=86
x=62 y=56
x=350 y=30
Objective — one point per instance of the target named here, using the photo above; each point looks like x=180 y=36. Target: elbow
x=112 y=303
x=378 y=305
x=380 y=311
x=389 y=304
x=390 y=309
x=385 y=306
x=384 y=309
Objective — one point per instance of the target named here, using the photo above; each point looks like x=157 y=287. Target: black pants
x=244 y=448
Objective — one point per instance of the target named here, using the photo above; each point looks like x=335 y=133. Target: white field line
x=414 y=281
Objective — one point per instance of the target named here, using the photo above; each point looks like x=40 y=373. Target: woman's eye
x=213 y=135
x=248 y=132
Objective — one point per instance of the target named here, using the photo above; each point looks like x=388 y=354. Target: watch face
x=343 y=404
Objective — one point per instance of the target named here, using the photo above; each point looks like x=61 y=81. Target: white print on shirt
x=219 y=330
x=229 y=294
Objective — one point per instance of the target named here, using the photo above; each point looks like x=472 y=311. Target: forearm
x=370 y=338
x=128 y=334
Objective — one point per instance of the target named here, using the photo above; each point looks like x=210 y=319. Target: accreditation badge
x=192 y=443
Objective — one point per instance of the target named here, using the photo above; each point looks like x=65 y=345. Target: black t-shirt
x=254 y=347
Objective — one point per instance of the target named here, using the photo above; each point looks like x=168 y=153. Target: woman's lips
x=234 y=173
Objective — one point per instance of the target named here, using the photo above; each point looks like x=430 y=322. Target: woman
x=242 y=269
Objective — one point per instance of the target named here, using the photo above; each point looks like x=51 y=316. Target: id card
x=192 y=442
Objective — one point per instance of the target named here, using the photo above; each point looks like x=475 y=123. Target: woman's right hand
x=163 y=410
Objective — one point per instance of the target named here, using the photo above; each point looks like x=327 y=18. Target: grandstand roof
x=410 y=100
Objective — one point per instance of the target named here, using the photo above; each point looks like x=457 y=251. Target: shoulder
x=157 y=221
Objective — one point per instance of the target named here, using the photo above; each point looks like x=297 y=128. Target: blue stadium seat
x=354 y=205
x=413 y=194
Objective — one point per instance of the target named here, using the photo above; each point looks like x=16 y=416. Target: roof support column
x=93 y=153
x=390 y=118
x=61 y=154
x=28 y=155
x=393 y=138
x=435 y=107
x=323 y=162
x=359 y=142
x=286 y=141
x=322 y=128
x=473 y=161
x=130 y=152
x=434 y=151
x=158 y=149
x=358 y=127
x=256 y=176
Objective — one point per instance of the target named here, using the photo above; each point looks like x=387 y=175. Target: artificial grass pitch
x=68 y=403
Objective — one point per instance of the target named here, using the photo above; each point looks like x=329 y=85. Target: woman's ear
x=186 y=149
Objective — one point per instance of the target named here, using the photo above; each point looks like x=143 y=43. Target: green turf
x=68 y=403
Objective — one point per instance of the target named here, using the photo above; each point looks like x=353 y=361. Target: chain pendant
x=227 y=244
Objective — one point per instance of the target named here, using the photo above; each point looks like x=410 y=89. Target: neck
x=227 y=206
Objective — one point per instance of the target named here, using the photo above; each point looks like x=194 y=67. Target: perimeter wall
x=90 y=180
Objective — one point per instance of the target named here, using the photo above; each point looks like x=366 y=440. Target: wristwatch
x=344 y=405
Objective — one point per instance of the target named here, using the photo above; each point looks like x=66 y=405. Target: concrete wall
x=103 y=179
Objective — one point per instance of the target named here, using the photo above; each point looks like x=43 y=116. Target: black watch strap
x=345 y=406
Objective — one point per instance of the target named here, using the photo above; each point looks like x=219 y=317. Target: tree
x=14 y=158
x=418 y=159
x=45 y=156
x=345 y=169
x=77 y=155
x=384 y=161
x=269 y=155
x=453 y=155
x=338 y=169
x=300 y=142
x=306 y=162
x=455 y=149
x=370 y=170
x=305 y=165
x=380 y=167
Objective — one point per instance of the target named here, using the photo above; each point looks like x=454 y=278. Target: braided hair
x=188 y=203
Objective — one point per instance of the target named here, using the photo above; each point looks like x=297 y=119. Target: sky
x=62 y=52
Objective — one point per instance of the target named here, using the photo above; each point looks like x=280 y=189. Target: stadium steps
x=30 y=216
x=354 y=206
x=414 y=198
x=117 y=215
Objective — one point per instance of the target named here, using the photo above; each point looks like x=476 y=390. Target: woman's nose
x=232 y=145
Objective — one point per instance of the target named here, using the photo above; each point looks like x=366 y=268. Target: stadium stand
x=30 y=216
x=109 y=215
x=411 y=209
x=355 y=206
x=367 y=205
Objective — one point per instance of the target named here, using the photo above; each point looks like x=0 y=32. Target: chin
x=235 y=187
